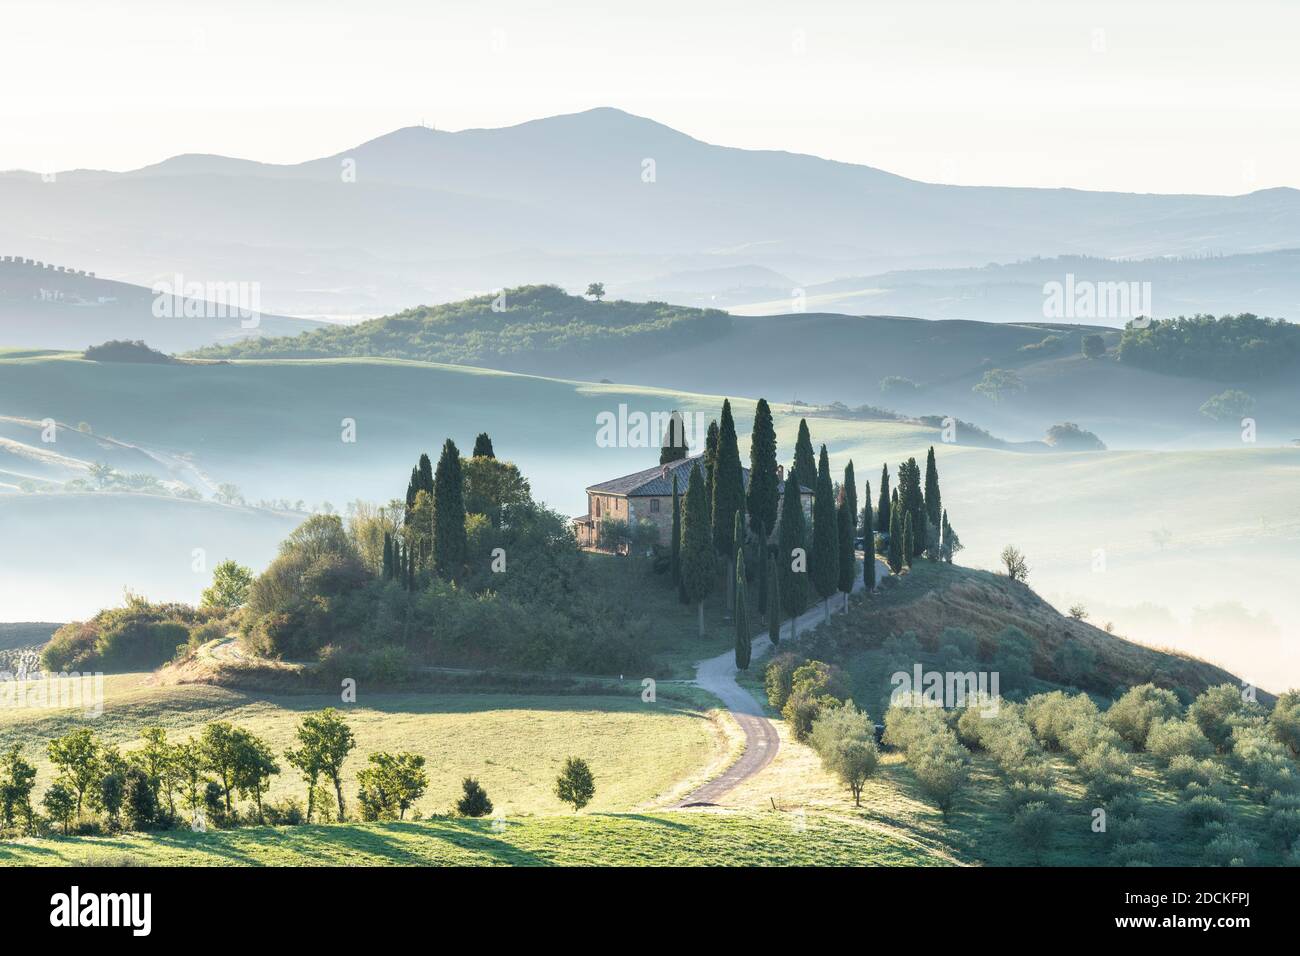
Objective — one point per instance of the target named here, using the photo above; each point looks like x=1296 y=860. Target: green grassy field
x=681 y=838
x=514 y=744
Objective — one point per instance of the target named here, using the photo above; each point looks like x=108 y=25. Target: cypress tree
x=728 y=496
x=388 y=556
x=805 y=462
x=908 y=553
x=449 y=544
x=791 y=536
x=743 y=637
x=773 y=604
x=710 y=460
x=868 y=549
x=847 y=562
x=850 y=487
x=483 y=446
x=673 y=447
x=912 y=500
x=676 y=561
x=933 y=534
x=895 y=556
x=697 y=545
x=825 y=547
x=426 y=474
x=412 y=489
x=761 y=497
x=865 y=522
x=883 y=505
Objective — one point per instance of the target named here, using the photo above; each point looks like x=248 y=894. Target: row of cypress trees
x=917 y=522
x=717 y=517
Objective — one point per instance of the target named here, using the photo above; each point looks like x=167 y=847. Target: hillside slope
x=810 y=357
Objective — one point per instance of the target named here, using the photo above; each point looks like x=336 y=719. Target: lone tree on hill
x=673 y=448
x=575 y=785
x=728 y=496
x=1014 y=562
x=825 y=549
x=596 y=290
x=761 y=498
x=792 y=556
x=697 y=546
x=805 y=462
x=449 y=545
x=933 y=506
x=743 y=637
x=847 y=559
x=1094 y=346
x=483 y=446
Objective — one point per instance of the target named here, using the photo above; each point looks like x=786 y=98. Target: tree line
x=196 y=782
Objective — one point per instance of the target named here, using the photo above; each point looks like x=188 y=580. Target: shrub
x=1109 y=773
x=1177 y=738
x=845 y=739
x=1052 y=716
x=284 y=813
x=474 y=800
x=1283 y=818
x=1265 y=764
x=1285 y=720
x=576 y=784
x=941 y=766
x=1133 y=715
x=778 y=678
x=1202 y=810
x=1230 y=848
x=1214 y=711
x=1136 y=853
x=1185 y=770
x=1033 y=825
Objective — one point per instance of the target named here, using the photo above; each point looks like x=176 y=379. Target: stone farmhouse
x=648 y=496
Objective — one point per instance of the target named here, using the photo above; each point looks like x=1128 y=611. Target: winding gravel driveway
x=717 y=675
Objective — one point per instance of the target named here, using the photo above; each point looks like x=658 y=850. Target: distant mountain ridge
x=423 y=215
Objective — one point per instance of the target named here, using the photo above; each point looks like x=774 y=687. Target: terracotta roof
x=658 y=481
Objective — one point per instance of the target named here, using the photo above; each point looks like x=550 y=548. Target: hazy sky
x=1158 y=95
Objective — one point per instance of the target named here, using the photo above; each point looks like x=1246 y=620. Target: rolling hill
x=423 y=215
x=815 y=357
x=48 y=306
x=1188 y=560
